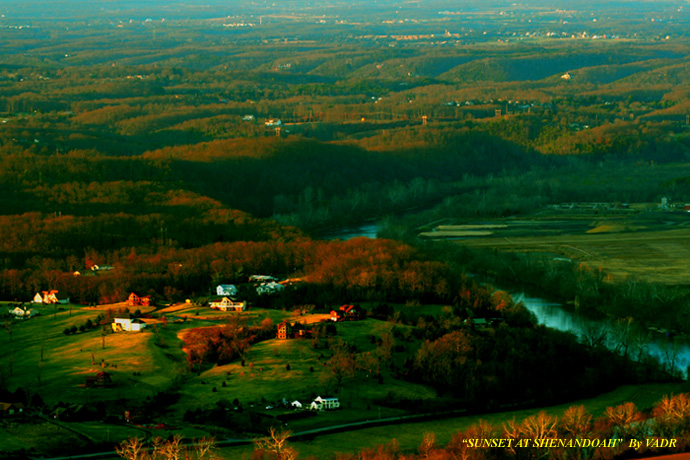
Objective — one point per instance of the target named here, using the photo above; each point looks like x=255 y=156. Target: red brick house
x=284 y=330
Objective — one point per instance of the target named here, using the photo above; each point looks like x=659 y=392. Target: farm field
x=649 y=245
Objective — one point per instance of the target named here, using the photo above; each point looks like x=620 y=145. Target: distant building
x=284 y=330
x=134 y=300
x=226 y=289
x=101 y=379
x=22 y=313
x=347 y=313
x=262 y=278
x=324 y=403
x=228 y=305
x=269 y=288
x=10 y=409
x=48 y=297
x=128 y=325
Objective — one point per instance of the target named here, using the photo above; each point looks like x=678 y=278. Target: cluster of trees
x=357 y=269
x=172 y=448
x=222 y=344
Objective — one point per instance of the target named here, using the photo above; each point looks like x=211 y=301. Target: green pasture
x=45 y=360
x=43 y=436
x=266 y=364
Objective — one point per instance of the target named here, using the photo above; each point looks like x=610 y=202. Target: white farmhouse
x=226 y=289
x=324 y=403
x=269 y=288
x=129 y=325
x=22 y=313
x=228 y=305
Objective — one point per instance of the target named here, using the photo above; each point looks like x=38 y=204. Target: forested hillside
x=165 y=149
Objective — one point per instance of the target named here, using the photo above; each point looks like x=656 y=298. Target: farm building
x=129 y=325
x=228 y=305
x=284 y=330
x=22 y=313
x=269 y=288
x=262 y=278
x=226 y=289
x=101 y=379
x=48 y=297
x=324 y=403
x=134 y=300
x=9 y=409
x=347 y=313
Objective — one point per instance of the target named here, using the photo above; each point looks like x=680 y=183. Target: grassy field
x=143 y=364
x=308 y=377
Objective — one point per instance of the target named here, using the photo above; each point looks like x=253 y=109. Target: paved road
x=307 y=433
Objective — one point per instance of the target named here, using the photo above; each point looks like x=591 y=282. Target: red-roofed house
x=346 y=313
x=134 y=300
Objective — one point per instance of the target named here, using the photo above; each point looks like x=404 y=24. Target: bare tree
x=672 y=414
x=276 y=445
x=427 y=446
x=132 y=449
x=622 y=418
x=170 y=449
x=576 y=422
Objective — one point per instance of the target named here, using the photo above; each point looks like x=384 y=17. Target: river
x=674 y=353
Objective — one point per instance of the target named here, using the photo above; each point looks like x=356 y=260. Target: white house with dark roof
x=226 y=289
x=320 y=403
